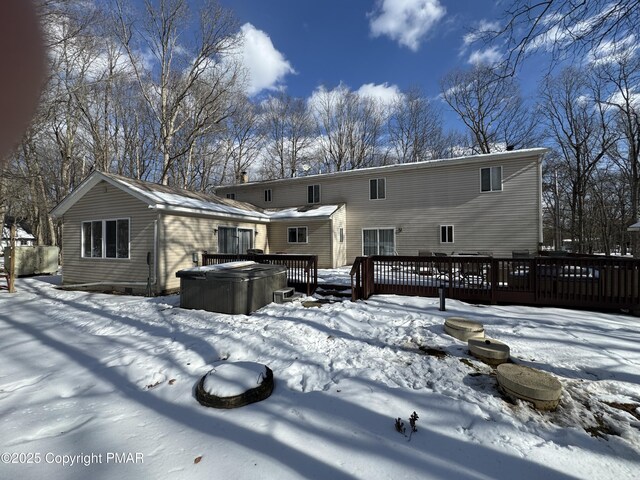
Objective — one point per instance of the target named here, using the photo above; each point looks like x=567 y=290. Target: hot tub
x=233 y=288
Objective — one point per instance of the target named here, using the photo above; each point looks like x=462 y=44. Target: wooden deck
x=593 y=282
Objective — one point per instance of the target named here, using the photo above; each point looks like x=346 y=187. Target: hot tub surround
x=233 y=288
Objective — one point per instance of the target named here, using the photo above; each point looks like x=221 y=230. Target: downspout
x=540 y=209
x=152 y=279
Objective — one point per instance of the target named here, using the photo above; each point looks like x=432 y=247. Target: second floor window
x=267 y=195
x=313 y=194
x=232 y=196
x=491 y=179
x=377 y=188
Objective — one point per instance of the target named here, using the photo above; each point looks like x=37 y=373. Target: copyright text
x=71 y=460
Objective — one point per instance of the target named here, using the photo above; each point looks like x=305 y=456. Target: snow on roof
x=162 y=195
x=308 y=211
x=178 y=200
x=21 y=233
x=635 y=227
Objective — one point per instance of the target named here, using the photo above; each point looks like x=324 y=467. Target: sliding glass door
x=378 y=241
x=234 y=240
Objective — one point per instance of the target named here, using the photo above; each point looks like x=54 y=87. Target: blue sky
x=382 y=44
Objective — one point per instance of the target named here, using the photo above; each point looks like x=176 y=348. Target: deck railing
x=593 y=282
x=302 y=270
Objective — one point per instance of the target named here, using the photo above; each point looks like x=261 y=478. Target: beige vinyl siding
x=318 y=239
x=180 y=236
x=420 y=199
x=104 y=202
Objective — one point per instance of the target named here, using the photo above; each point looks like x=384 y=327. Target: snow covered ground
x=106 y=382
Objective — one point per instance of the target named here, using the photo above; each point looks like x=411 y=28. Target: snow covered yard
x=84 y=377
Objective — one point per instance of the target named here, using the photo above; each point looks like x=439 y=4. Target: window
x=378 y=241
x=491 y=179
x=267 y=195
x=313 y=194
x=377 y=188
x=232 y=196
x=446 y=233
x=297 y=234
x=341 y=235
x=105 y=239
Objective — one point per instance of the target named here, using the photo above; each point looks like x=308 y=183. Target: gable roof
x=469 y=159
x=165 y=198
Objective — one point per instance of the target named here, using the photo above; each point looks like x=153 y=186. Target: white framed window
x=106 y=238
x=341 y=235
x=378 y=241
x=268 y=195
x=313 y=194
x=231 y=196
x=446 y=233
x=297 y=235
x=377 y=189
x=491 y=179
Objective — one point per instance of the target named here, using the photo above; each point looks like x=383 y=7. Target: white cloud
x=610 y=51
x=265 y=65
x=629 y=98
x=489 y=56
x=406 y=21
x=484 y=26
x=383 y=93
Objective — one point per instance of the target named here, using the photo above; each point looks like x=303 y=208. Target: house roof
x=308 y=212
x=163 y=197
x=635 y=227
x=21 y=233
x=499 y=156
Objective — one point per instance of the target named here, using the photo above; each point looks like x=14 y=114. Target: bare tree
x=415 y=129
x=579 y=131
x=183 y=56
x=241 y=140
x=620 y=76
x=350 y=127
x=562 y=27
x=288 y=128
x=491 y=107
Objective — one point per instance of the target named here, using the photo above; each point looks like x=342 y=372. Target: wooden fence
x=302 y=270
x=594 y=282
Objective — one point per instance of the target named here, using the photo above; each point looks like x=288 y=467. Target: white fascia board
x=87 y=184
x=209 y=213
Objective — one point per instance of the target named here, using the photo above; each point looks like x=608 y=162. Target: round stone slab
x=463 y=329
x=489 y=350
x=525 y=383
